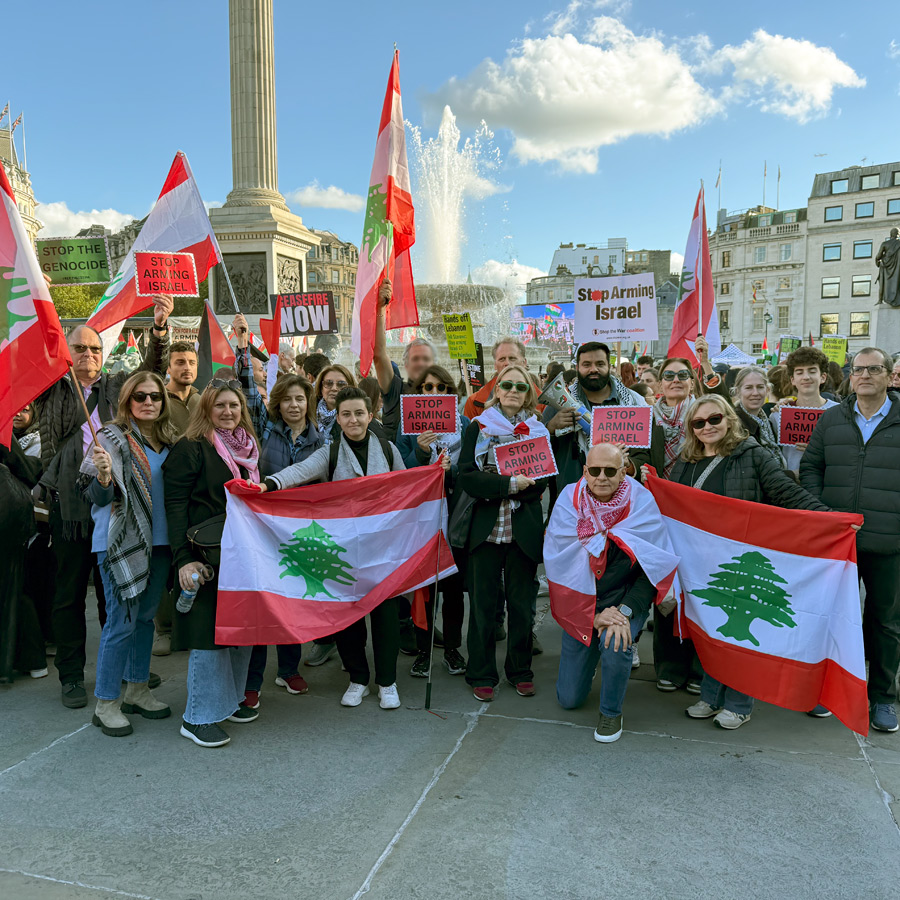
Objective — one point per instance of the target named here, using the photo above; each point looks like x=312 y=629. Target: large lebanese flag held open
x=388 y=232
x=695 y=308
x=770 y=598
x=177 y=223
x=303 y=563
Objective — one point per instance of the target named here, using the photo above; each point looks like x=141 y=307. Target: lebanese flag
x=270 y=329
x=214 y=352
x=695 y=308
x=178 y=223
x=307 y=562
x=388 y=233
x=33 y=351
x=572 y=568
x=770 y=598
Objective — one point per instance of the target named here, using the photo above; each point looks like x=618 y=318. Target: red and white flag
x=304 y=563
x=33 y=351
x=695 y=308
x=770 y=598
x=572 y=568
x=177 y=223
x=270 y=329
x=388 y=233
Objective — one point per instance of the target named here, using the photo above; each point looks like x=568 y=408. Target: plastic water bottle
x=186 y=598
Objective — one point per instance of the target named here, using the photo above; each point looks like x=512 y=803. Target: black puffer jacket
x=851 y=476
x=751 y=473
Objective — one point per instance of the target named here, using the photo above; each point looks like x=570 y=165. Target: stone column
x=254 y=154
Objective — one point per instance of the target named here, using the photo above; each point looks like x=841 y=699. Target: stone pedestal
x=886 y=328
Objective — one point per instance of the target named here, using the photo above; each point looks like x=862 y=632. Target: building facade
x=20 y=182
x=332 y=267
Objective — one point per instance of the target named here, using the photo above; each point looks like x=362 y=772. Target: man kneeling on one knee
x=608 y=558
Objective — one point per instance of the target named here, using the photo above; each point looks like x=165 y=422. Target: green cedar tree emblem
x=313 y=556
x=11 y=289
x=746 y=589
x=376 y=224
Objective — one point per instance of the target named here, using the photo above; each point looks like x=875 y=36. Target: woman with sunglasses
x=719 y=456
x=329 y=383
x=132 y=545
x=219 y=445
x=505 y=535
x=421 y=450
x=751 y=387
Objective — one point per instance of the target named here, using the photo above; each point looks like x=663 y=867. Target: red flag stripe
x=178 y=174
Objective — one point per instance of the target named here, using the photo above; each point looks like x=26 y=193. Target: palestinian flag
x=132 y=346
x=120 y=345
x=303 y=563
x=770 y=598
x=213 y=350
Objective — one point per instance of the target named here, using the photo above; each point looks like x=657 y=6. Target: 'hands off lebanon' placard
x=617 y=308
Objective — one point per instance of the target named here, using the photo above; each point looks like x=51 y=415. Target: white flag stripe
x=813 y=639
x=375 y=547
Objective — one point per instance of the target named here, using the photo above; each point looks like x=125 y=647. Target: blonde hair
x=530 y=394
x=201 y=425
x=163 y=430
x=693 y=449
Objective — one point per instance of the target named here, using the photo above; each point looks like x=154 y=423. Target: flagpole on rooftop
x=24 y=148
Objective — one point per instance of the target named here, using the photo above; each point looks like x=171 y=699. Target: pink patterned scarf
x=237 y=448
x=596 y=517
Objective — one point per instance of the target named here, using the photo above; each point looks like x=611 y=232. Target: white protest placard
x=616 y=308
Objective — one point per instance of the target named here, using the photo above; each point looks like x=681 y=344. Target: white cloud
x=782 y=75
x=330 y=197
x=894 y=50
x=511 y=275
x=60 y=221
x=585 y=85
x=564 y=98
x=677 y=262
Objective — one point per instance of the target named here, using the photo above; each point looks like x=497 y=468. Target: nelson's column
x=263 y=242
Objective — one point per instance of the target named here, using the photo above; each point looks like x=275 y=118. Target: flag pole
x=437 y=596
x=83 y=404
x=24 y=147
x=230 y=287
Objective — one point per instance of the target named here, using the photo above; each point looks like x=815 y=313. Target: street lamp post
x=767 y=318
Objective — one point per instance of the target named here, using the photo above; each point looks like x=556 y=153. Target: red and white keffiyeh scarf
x=596 y=516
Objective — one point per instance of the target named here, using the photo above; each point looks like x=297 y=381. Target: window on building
x=758 y=285
x=312 y=253
x=865 y=210
x=840 y=186
x=756 y=348
x=311 y=277
x=335 y=276
x=789 y=218
x=834 y=213
x=584 y=260
x=831 y=252
x=784 y=283
x=868 y=182
x=758 y=317
x=550 y=296
x=787 y=251
x=568 y=294
x=895 y=180
x=759 y=255
x=724 y=319
x=726 y=259
x=596 y=259
x=859 y=324
x=862 y=249
x=861 y=286
x=764 y=221
x=831 y=287
x=725 y=288
x=828 y=323
x=893 y=207
x=784 y=318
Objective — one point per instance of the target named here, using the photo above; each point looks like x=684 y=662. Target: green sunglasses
x=519 y=386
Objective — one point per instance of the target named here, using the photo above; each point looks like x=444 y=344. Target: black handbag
x=206 y=539
x=461 y=518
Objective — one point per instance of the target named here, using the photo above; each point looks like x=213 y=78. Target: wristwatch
x=626 y=610
x=163 y=328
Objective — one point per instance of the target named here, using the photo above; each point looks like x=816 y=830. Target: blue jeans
x=215 y=683
x=288 y=661
x=126 y=641
x=718 y=696
x=578 y=663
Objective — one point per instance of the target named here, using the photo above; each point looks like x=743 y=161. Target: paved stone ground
x=505 y=800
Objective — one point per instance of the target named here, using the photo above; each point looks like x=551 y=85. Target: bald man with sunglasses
x=65 y=438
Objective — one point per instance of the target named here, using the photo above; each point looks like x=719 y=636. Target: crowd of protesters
x=139 y=512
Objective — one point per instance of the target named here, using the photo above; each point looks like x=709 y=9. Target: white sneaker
x=43 y=673
x=388 y=697
x=635 y=658
x=543 y=586
x=354 y=694
x=701 y=710
x=730 y=720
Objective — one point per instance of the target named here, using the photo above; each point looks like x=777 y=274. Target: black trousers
x=486 y=564
x=453 y=610
x=881 y=622
x=74 y=564
x=288 y=659
x=40 y=571
x=351 y=644
x=675 y=659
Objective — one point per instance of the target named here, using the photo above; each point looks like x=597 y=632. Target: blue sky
x=606 y=114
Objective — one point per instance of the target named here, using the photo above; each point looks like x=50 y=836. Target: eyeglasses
x=141 y=396
x=87 y=348
x=697 y=424
x=334 y=384
x=861 y=370
x=231 y=384
x=681 y=375
x=519 y=386
x=430 y=386
x=608 y=471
